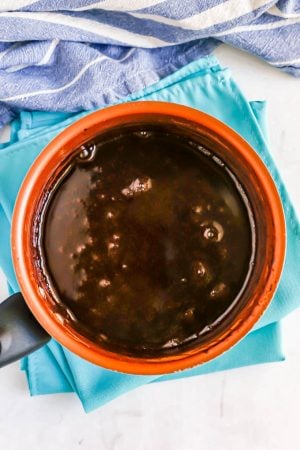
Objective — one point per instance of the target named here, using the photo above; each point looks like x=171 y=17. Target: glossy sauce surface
x=146 y=242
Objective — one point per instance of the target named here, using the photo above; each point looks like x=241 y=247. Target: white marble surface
x=255 y=408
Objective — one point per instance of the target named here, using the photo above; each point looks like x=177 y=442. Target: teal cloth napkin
x=203 y=85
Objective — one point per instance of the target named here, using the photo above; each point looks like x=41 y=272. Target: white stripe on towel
x=42 y=62
x=120 y=5
x=53 y=91
x=262 y=27
x=91 y=26
x=49 y=52
x=275 y=11
x=224 y=12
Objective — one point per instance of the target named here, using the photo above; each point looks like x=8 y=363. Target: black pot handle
x=20 y=333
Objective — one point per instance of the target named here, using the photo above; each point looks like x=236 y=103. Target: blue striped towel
x=70 y=55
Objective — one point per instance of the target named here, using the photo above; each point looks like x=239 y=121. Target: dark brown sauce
x=146 y=242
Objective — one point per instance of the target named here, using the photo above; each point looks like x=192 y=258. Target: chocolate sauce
x=146 y=241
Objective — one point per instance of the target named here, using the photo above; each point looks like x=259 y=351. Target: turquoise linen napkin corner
x=203 y=85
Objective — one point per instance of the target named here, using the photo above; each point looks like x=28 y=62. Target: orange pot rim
x=34 y=297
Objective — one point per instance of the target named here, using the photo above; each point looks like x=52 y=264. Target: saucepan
x=28 y=319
